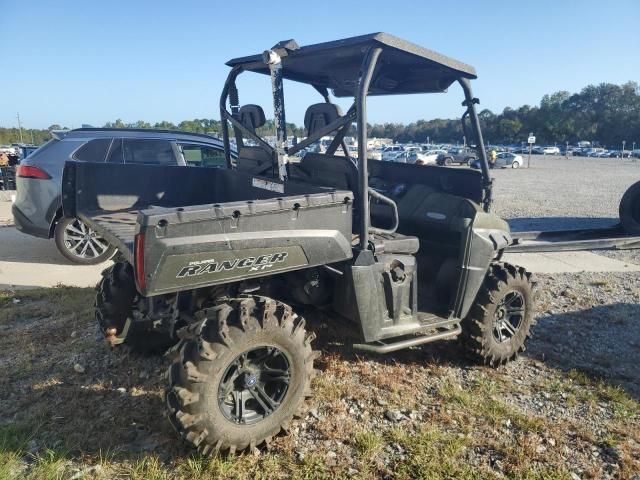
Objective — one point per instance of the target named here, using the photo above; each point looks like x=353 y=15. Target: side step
x=442 y=333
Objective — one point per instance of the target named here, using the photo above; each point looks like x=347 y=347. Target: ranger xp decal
x=254 y=264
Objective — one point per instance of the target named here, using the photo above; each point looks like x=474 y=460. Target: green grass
x=479 y=399
x=10 y=465
x=461 y=420
x=454 y=393
x=49 y=465
x=367 y=444
x=624 y=407
x=433 y=455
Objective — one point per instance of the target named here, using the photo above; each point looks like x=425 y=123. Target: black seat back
x=320 y=115
x=331 y=171
x=251 y=116
x=254 y=160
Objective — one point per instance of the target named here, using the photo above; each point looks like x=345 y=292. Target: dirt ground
x=568 y=408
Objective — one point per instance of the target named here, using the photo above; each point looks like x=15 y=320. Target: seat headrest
x=320 y=115
x=251 y=116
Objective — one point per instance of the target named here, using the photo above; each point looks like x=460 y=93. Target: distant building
x=378 y=142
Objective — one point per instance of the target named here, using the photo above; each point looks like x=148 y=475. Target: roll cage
x=358 y=67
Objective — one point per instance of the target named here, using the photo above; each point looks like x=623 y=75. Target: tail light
x=138 y=255
x=29 y=171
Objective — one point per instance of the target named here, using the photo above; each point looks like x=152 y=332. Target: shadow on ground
x=23 y=248
x=603 y=342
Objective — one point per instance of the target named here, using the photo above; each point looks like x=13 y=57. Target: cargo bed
x=187 y=227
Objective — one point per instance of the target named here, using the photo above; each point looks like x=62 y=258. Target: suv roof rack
x=140 y=130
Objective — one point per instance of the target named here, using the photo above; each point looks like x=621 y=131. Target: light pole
x=623 y=142
x=19 y=126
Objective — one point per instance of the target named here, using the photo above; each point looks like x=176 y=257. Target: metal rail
x=612 y=238
x=381 y=347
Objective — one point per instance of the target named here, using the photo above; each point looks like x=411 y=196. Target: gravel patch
x=559 y=193
x=587 y=321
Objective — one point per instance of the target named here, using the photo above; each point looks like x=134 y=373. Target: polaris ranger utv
x=212 y=260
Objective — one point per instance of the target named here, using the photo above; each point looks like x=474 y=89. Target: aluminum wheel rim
x=509 y=316
x=82 y=241
x=254 y=385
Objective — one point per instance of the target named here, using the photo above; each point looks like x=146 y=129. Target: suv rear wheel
x=80 y=244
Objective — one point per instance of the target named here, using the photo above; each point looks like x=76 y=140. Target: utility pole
x=32 y=140
x=623 y=142
x=19 y=126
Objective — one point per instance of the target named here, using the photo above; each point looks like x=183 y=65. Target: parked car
x=503 y=160
x=594 y=152
x=551 y=151
x=7 y=150
x=506 y=159
x=537 y=150
x=620 y=154
x=375 y=154
x=391 y=151
x=38 y=209
x=459 y=155
x=430 y=157
x=413 y=156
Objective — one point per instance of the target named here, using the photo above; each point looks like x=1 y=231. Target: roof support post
x=469 y=102
x=229 y=85
x=274 y=61
x=366 y=72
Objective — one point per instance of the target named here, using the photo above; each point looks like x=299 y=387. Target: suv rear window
x=93 y=151
x=155 y=152
x=202 y=155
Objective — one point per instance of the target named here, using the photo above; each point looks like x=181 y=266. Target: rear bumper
x=26 y=226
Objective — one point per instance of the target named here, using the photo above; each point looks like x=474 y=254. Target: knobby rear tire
x=218 y=337
x=115 y=302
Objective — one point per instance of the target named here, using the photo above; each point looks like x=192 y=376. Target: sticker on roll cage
x=267 y=185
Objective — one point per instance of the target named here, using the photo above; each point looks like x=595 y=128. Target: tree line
x=606 y=113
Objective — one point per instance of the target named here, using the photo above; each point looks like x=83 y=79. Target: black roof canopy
x=402 y=68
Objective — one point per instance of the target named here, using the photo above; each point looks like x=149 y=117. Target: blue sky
x=77 y=62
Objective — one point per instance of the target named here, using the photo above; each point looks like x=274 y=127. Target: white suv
x=389 y=153
x=551 y=151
